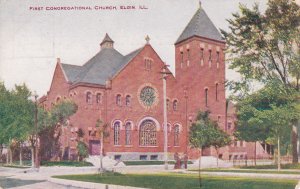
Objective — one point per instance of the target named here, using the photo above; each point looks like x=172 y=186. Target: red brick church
x=132 y=104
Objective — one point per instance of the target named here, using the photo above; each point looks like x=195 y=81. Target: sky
x=31 y=39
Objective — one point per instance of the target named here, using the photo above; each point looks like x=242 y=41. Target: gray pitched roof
x=71 y=71
x=103 y=66
x=200 y=25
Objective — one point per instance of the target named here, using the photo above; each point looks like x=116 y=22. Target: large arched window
x=117 y=128
x=148 y=133
x=98 y=98
x=128 y=133
x=128 y=100
x=176 y=135
x=175 y=105
x=118 y=100
x=89 y=97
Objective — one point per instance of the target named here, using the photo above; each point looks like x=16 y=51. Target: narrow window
x=206 y=97
x=118 y=100
x=181 y=59
x=168 y=104
x=176 y=135
x=229 y=126
x=128 y=100
x=210 y=58
x=57 y=99
x=148 y=64
x=188 y=55
x=175 y=105
x=218 y=59
x=89 y=97
x=117 y=127
x=128 y=133
x=202 y=56
x=217 y=86
x=98 y=98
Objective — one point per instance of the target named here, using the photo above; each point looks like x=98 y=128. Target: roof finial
x=147 y=38
x=200 y=4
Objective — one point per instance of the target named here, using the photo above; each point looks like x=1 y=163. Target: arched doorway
x=148 y=133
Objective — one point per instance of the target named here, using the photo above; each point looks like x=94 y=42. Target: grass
x=283 y=166
x=149 y=162
x=180 y=181
x=249 y=171
x=66 y=163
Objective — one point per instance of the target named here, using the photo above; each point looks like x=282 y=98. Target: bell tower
x=200 y=66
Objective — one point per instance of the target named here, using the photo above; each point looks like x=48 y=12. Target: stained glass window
x=117 y=128
x=148 y=133
x=147 y=96
x=128 y=133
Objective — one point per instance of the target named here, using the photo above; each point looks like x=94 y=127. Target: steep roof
x=106 y=39
x=103 y=66
x=200 y=25
x=71 y=71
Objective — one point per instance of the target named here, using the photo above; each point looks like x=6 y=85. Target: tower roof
x=106 y=39
x=201 y=26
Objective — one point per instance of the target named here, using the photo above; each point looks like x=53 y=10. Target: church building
x=105 y=89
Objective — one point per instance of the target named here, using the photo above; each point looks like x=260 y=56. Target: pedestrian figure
x=185 y=160
x=177 y=161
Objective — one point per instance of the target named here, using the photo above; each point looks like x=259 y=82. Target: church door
x=94 y=147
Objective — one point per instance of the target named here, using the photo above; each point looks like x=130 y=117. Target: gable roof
x=200 y=25
x=103 y=66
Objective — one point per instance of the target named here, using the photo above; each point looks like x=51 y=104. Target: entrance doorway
x=94 y=147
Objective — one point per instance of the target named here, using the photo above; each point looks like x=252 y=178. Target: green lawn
x=66 y=163
x=283 y=166
x=149 y=162
x=249 y=171
x=180 y=181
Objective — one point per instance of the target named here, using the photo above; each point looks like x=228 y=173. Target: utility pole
x=186 y=119
x=164 y=78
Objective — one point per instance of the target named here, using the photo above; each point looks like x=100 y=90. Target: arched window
x=217 y=86
x=89 y=97
x=206 y=97
x=176 y=135
x=128 y=100
x=98 y=98
x=118 y=100
x=148 y=133
x=128 y=133
x=175 y=105
x=57 y=99
x=117 y=127
x=168 y=104
x=210 y=58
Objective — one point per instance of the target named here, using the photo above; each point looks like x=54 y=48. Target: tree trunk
x=217 y=149
x=32 y=157
x=20 y=157
x=200 y=182
x=255 y=153
x=7 y=156
x=1 y=149
x=294 y=142
x=278 y=154
x=10 y=156
x=101 y=153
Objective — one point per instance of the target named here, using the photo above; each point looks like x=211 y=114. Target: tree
x=205 y=133
x=221 y=139
x=103 y=133
x=82 y=150
x=264 y=48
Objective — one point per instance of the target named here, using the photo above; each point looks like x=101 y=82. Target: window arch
x=88 y=98
x=176 y=135
x=128 y=100
x=206 y=97
x=128 y=127
x=57 y=99
x=98 y=98
x=118 y=100
x=117 y=128
x=148 y=133
x=175 y=105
